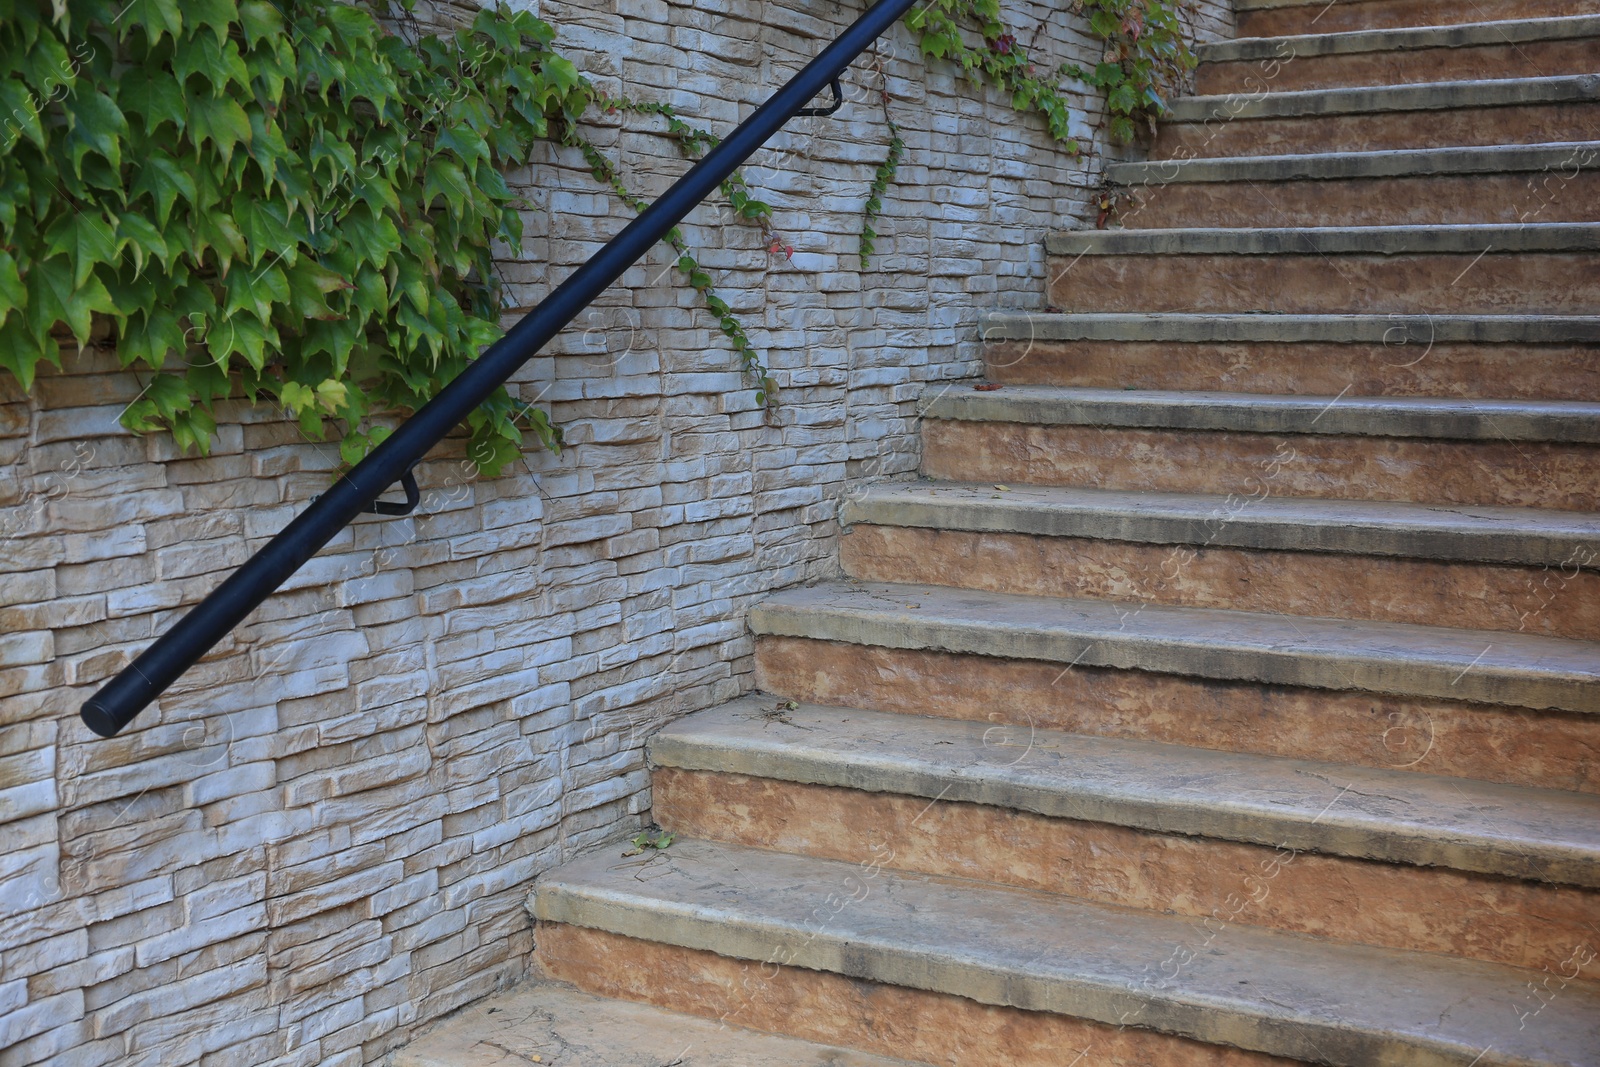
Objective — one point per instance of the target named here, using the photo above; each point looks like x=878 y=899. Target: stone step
x=1556 y=750
x=1144 y=825
x=1510 y=669
x=1540 y=268
x=1449 y=186
x=553 y=1024
x=1275 y=18
x=1508 y=49
x=1572 y=422
x=1500 y=453
x=1433 y=115
x=1508 y=569
x=885 y=931
x=1507 y=356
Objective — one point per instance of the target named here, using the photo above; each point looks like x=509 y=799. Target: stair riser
x=1253 y=465
x=1345 y=15
x=1542 y=601
x=1221 y=883
x=1288 y=72
x=1551 y=283
x=1448 y=200
x=1507 y=372
x=1372 y=132
x=839 y=1010
x=1555 y=750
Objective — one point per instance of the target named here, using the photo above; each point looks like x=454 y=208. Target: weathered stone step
x=1273 y=992
x=1555 y=750
x=1384 y=416
x=1451 y=186
x=1542 y=268
x=556 y=1025
x=1528 y=454
x=1144 y=825
x=1512 y=48
x=1482 y=568
x=1421 y=820
x=1338 y=654
x=1506 y=356
x=1433 y=115
x=1272 y=18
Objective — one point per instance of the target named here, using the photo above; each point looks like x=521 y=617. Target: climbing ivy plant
x=281 y=197
x=285 y=198
x=1146 y=58
x=1146 y=55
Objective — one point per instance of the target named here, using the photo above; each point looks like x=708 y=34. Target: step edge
x=1351 y=835
x=1463 y=161
x=1344 y=530
x=1473 y=240
x=1379 y=99
x=1401 y=38
x=1347 y=329
x=1195 y=1012
x=1337 y=667
x=1559 y=422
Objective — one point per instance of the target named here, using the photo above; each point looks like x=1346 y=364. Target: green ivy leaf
x=86 y=239
x=158 y=18
x=96 y=125
x=153 y=96
x=218 y=120
x=163 y=180
x=53 y=298
x=260 y=20
x=13 y=294
x=256 y=292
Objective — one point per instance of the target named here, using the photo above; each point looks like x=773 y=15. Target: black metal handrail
x=127 y=693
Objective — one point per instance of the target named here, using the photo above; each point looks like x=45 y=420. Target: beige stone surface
x=1278 y=17
x=1476 y=916
x=887 y=1019
x=1511 y=124
x=1546 y=749
x=544 y=1022
x=1250 y=465
x=1292 y=583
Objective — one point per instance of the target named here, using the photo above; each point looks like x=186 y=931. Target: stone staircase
x=1228 y=692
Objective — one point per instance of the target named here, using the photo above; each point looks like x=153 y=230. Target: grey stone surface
x=1383 y=657
x=1363 y=527
x=1341 y=329
x=1258 y=989
x=1570 y=421
x=1464 y=35
x=1468 y=240
x=555 y=1025
x=1430 y=96
x=1388 y=815
x=1329 y=166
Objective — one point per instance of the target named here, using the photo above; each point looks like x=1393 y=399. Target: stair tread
x=1470 y=239
x=1348 y=42
x=1328 y=166
x=1425 y=96
x=564 y=1027
x=1271 y=991
x=1389 y=815
x=1245 y=326
x=1323 y=653
x=1572 y=421
x=1527 y=536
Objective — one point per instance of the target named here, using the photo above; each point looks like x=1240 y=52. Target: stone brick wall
x=321 y=839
